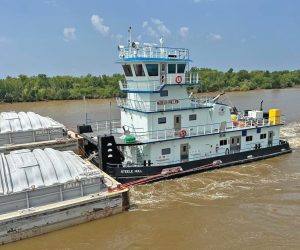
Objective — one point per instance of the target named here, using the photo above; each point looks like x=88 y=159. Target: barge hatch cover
x=39 y=177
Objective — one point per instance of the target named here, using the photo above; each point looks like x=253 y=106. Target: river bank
x=43 y=87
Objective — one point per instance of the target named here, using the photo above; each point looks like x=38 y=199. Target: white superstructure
x=171 y=126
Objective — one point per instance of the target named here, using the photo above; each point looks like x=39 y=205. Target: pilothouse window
x=171 y=68
x=180 y=68
x=138 y=68
x=127 y=70
x=152 y=69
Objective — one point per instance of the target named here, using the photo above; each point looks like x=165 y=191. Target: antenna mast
x=129 y=38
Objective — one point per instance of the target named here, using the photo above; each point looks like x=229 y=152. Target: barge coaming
x=46 y=190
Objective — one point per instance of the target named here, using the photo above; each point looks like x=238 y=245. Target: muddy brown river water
x=250 y=206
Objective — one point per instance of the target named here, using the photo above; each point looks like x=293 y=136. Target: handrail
x=166 y=134
x=146 y=84
x=158 y=135
x=155 y=106
x=153 y=52
x=106 y=124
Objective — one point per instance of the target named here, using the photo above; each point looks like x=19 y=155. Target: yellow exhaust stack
x=274 y=116
x=233 y=118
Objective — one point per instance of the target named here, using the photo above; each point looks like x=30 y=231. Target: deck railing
x=149 y=51
x=161 y=105
x=157 y=84
x=167 y=134
x=113 y=125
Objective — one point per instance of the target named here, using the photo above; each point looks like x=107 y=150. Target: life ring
x=242 y=124
x=182 y=133
x=227 y=151
x=178 y=79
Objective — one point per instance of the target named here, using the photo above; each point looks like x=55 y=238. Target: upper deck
x=152 y=52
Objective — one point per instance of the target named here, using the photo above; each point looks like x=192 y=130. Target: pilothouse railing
x=150 y=51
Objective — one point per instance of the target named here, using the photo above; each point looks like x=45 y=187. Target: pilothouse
x=164 y=131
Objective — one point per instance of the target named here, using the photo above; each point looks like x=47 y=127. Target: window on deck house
x=164 y=93
x=180 y=68
x=138 y=68
x=171 y=68
x=127 y=70
x=152 y=69
x=162 y=120
x=166 y=151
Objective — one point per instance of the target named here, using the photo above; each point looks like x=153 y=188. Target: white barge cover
x=28 y=127
x=39 y=177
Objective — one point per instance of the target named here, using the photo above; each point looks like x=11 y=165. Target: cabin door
x=184 y=152
x=163 y=75
x=235 y=144
x=177 y=122
x=270 y=138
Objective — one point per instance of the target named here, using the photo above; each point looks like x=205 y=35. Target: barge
x=28 y=130
x=164 y=129
x=45 y=190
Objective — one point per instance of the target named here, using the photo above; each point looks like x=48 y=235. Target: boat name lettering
x=131 y=171
x=164 y=102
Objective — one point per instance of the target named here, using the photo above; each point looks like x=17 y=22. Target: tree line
x=243 y=80
x=42 y=87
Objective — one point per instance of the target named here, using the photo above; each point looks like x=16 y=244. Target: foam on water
x=216 y=185
x=291 y=132
x=209 y=186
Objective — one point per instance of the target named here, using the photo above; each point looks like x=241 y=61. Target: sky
x=64 y=37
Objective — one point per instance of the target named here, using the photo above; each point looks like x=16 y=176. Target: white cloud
x=156 y=28
x=119 y=36
x=69 y=34
x=98 y=24
x=152 y=32
x=51 y=3
x=161 y=27
x=184 y=32
x=214 y=37
x=145 y=24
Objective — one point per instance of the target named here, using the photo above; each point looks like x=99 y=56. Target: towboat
x=166 y=131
